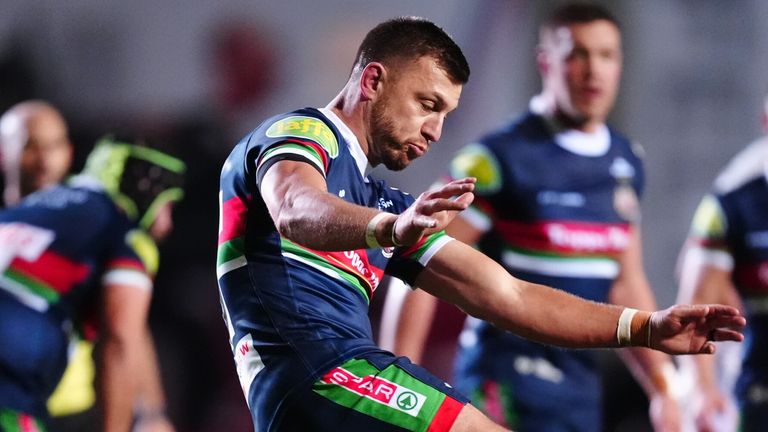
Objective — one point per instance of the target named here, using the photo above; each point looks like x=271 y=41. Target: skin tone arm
x=125 y=316
x=631 y=288
x=151 y=415
x=297 y=200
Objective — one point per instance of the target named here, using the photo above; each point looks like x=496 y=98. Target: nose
x=433 y=128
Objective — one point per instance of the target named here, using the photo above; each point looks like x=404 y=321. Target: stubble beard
x=387 y=149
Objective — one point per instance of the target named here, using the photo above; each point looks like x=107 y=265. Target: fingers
x=708 y=348
x=456 y=187
x=723 y=310
x=721 y=335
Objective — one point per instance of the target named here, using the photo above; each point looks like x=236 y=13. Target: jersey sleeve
x=477 y=160
x=134 y=260
x=299 y=138
x=708 y=234
x=408 y=262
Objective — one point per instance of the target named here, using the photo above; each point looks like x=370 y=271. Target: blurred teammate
x=70 y=253
x=305 y=237
x=726 y=260
x=556 y=203
x=34 y=147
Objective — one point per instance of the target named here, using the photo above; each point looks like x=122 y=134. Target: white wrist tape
x=370 y=230
x=624 y=329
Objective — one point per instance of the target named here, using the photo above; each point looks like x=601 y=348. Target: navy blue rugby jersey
x=730 y=231
x=58 y=248
x=551 y=216
x=59 y=242
x=294 y=312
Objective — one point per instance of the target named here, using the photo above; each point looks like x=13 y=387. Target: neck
x=353 y=111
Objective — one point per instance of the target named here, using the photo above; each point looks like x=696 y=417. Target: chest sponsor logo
x=378 y=389
x=361 y=265
x=565 y=199
x=611 y=239
x=306 y=127
x=24 y=241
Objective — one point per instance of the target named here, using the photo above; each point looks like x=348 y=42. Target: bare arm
x=652 y=369
x=483 y=289
x=125 y=314
x=304 y=211
x=150 y=409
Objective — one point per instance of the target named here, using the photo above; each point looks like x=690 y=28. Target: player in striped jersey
x=306 y=234
x=62 y=250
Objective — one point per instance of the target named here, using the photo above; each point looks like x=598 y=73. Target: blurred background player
x=35 y=149
x=37 y=152
x=54 y=277
x=557 y=204
x=726 y=260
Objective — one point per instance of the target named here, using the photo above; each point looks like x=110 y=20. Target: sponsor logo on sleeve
x=306 y=127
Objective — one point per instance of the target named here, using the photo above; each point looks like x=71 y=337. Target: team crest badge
x=625 y=200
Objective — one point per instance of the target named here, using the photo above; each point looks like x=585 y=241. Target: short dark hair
x=578 y=13
x=411 y=38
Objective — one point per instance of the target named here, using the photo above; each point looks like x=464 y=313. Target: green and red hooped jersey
x=294 y=312
x=552 y=213
x=58 y=248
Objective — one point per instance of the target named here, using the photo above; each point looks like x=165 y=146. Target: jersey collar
x=591 y=144
x=353 y=144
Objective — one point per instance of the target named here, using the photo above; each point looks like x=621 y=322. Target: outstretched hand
x=433 y=210
x=693 y=329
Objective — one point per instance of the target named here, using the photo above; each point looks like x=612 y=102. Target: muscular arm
x=482 y=288
x=304 y=211
x=125 y=315
x=650 y=368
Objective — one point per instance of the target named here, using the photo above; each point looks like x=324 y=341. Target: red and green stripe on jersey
x=232 y=220
x=564 y=248
x=307 y=150
x=391 y=395
x=14 y=421
x=48 y=277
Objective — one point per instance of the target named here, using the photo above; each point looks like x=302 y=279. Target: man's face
x=47 y=153
x=584 y=69
x=408 y=114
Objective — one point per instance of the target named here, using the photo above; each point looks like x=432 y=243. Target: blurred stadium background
x=201 y=74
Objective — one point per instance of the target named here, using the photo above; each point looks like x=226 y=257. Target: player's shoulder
x=306 y=124
x=516 y=131
x=748 y=165
x=632 y=148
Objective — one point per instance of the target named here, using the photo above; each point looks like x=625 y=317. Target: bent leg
x=471 y=419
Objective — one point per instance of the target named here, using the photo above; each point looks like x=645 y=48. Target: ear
x=542 y=61
x=371 y=80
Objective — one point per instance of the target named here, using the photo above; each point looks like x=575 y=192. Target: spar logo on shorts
x=378 y=390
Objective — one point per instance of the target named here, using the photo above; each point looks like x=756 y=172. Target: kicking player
x=305 y=236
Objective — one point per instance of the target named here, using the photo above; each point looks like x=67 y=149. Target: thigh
x=372 y=394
